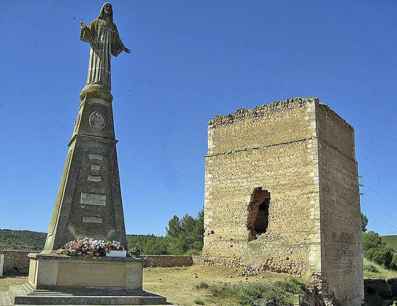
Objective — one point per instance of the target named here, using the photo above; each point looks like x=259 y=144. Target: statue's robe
x=105 y=41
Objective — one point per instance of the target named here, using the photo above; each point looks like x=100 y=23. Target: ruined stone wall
x=303 y=154
x=340 y=208
x=167 y=261
x=15 y=262
x=273 y=147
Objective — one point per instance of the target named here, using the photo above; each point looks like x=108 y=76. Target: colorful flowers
x=91 y=247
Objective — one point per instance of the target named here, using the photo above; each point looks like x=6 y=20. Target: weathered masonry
x=281 y=194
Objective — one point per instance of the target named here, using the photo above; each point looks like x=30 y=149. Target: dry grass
x=11 y=280
x=185 y=285
x=382 y=272
x=180 y=285
x=188 y=285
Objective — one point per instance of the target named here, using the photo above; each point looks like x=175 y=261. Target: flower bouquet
x=91 y=247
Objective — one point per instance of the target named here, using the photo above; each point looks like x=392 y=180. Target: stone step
x=5 y=299
x=23 y=289
x=89 y=300
x=25 y=295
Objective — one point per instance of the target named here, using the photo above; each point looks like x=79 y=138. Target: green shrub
x=376 y=249
x=393 y=264
x=291 y=285
x=135 y=251
x=372 y=240
x=280 y=293
x=199 y=302
x=202 y=285
x=370 y=268
x=382 y=255
x=223 y=291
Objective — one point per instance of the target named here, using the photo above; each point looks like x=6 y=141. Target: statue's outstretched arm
x=86 y=34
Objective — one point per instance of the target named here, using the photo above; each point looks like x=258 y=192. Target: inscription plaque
x=93 y=199
x=95 y=178
x=96 y=220
x=95 y=157
x=95 y=167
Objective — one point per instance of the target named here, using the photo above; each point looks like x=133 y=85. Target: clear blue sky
x=190 y=61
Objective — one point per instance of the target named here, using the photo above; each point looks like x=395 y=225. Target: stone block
x=167 y=261
x=15 y=262
x=26 y=295
x=54 y=271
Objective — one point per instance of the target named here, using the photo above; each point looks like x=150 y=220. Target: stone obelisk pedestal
x=54 y=271
x=88 y=205
x=89 y=199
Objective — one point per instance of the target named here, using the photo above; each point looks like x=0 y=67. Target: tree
x=147 y=244
x=175 y=241
x=364 y=222
x=372 y=240
x=174 y=227
x=185 y=235
x=199 y=232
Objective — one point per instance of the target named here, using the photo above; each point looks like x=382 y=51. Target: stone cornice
x=92 y=91
x=335 y=116
x=261 y=111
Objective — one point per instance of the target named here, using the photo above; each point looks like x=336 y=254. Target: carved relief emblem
x=97 y=121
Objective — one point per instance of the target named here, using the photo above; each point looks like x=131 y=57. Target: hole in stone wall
x=258 y=213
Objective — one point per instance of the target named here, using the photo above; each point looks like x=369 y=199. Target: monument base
x=57 y=271
x=65 y=280
x=26 y=295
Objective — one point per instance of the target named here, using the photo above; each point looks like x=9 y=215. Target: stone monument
x=89 y=202
x=89 y=199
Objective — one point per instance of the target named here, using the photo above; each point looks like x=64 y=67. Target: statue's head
x=106 y=11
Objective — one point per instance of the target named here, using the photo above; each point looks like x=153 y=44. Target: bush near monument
x=282 y=293
x=376 y=250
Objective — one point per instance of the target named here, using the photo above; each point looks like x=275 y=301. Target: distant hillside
x=391 y=240
x=21 y=240
x=28 y=240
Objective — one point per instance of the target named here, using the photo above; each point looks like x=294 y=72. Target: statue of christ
x=104 y=39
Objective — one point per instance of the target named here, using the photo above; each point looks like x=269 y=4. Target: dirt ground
x=179 y=284
x=11 y=280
